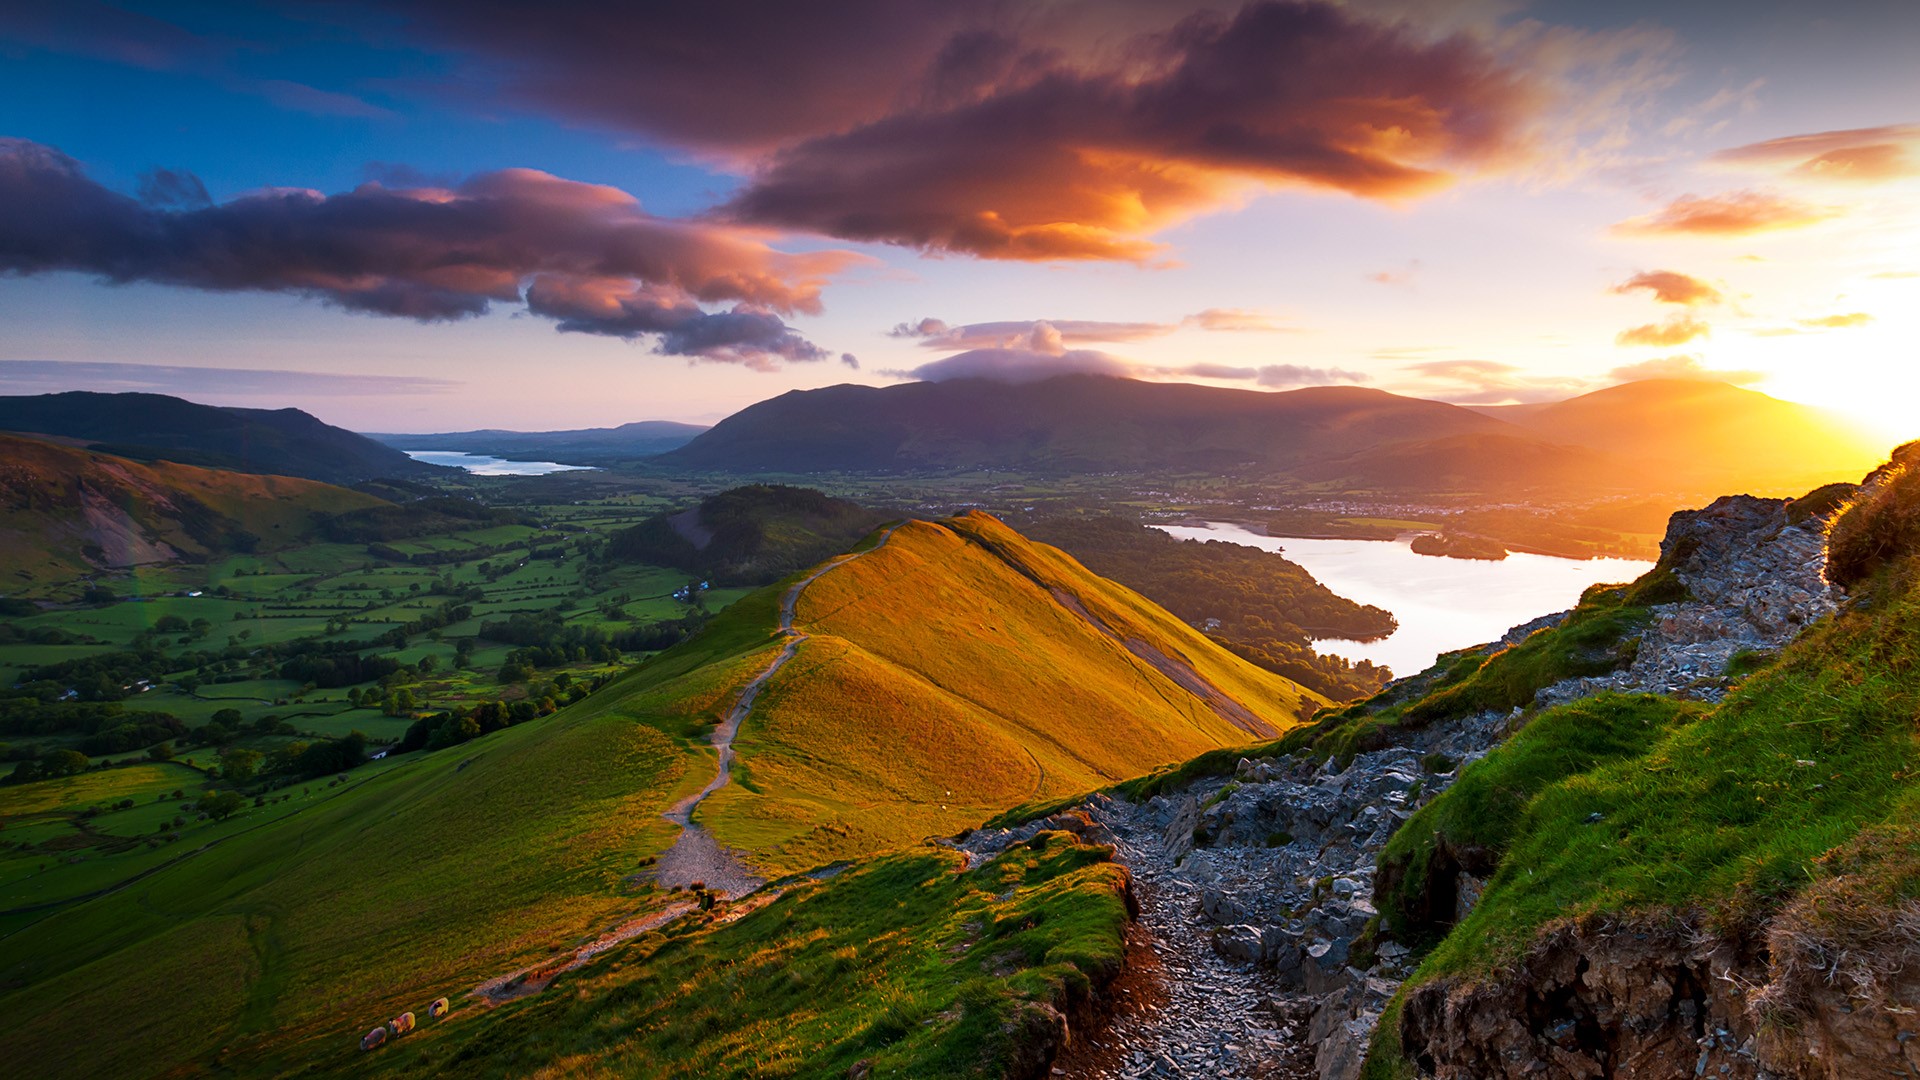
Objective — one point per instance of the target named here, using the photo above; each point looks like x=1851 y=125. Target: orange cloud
x=1676 y=331
x=1835 y=322
x=1235 y=320
x=1063 y=157
x=1670 y=287
x=1736 y=213
x=1682 y=367
x=1857 y=154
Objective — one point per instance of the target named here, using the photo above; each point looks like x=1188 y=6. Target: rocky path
x=696 y=856
x=1184 y=1011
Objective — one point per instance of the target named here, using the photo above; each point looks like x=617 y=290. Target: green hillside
x=749 y=535
x=66 y=512
x=156 y=427
x=295 y=926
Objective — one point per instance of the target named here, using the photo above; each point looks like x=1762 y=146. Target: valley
x=564 y=747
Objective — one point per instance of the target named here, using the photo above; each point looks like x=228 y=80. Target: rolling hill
x=1718 y=437
x=280 y=442
x=66 y=512
x=1064 y=424
x=951 y=670
x=751 y=535
x=584 y=446
x=1672 y=434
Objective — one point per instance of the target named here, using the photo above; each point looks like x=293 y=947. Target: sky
x=432 y=216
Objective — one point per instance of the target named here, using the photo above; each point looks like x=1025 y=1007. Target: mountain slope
x=1707 y=434
x=66 y=512
x=1073 y=422
x=283 y=442
x=961 y=669
x=642 y=438
x=953 y=670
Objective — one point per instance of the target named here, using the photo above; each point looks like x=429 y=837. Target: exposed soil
x=696 y=856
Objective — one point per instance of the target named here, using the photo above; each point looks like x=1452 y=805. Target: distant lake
x=1442 y=604
x=482 y=465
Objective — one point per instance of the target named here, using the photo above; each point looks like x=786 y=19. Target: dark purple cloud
x=1056 y=158
x=599 y=263
x=1018 y=365
x=731 y=76
x=939 y=334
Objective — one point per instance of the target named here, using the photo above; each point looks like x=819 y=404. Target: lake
x=482 y=465
x=1442 y=604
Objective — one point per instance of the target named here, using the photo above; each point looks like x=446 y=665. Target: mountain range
x=156 y=427
x=1678 y=434
x=585 y=446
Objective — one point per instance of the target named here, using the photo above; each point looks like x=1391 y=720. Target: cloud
x=300 y=97
x=1018 y=365
x=1235 y=320
x=1051 y=156
x=722 y=76
x=1402 y=277
x=1670 y=287
x=939 y=334
x=1811 y=326
x=1835 y=322
x=1031 y=351
x=1675 y=331
x=1682 y=367
x=597 y=262
x=1858 y=154
x=1735 y=213
x=1296 y=375
x=54 y=376
x=177 y=190
x=1487 y=382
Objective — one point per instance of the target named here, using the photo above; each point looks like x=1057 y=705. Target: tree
x=55 y=763
x=161 y=751
x=228 y=718
x=221 y=805
x=240 y=765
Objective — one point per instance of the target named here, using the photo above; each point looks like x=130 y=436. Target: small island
x=1459 y=546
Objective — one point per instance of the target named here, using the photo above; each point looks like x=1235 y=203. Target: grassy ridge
x=888 y=727
x=905 y=963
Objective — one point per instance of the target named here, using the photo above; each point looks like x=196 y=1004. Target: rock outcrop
x=1753 y=578
x=1275 y=868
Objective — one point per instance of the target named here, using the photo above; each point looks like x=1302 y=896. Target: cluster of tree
x=332 y=670
x=749 y=535
x=1261 y=605
x=470 y=722
x=306 y=760
x=42 y=635
x=421 y=517
x=656 y=636
x=51 y=765
x=138 y=732
x=546 y=639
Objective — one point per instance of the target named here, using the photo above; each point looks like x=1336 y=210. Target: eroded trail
x=1183 y=1011
x=696 y=856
